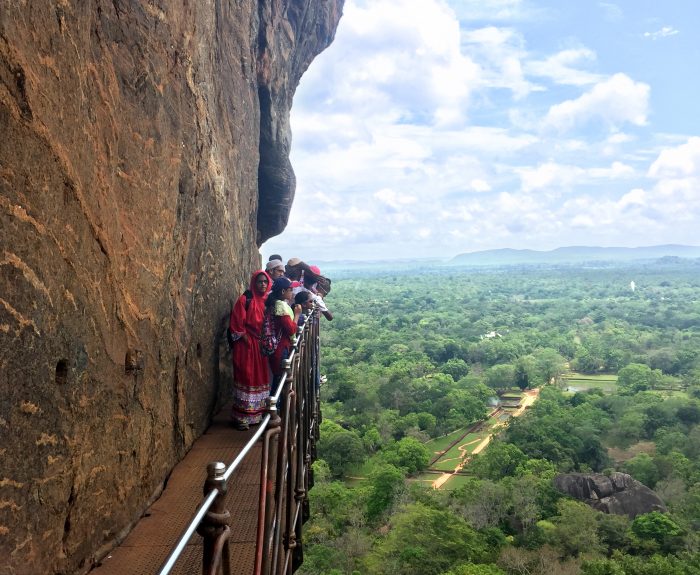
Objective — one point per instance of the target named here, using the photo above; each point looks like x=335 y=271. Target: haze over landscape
x=433 y=128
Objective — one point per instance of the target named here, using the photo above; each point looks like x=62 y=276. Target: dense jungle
x=421 y=358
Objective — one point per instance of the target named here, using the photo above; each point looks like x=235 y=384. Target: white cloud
x=500 y=53
x=498 y=10
x=615 y=142
x=681 y=161
x=392 y=199
x=582 y=221
x=400 y=59
x=616 y=100
x=555 y=178
x=619 y=138
x=664 y=32
x=355 y=215
x=675 y=195
x=615 y=171
x=548 y=175
x=479 y=185
x=669 y=207
x=326 y=199
x=635 y=197
x=466 y=212
x=562 y=67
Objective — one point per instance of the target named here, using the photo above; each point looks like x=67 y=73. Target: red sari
x=251 y=385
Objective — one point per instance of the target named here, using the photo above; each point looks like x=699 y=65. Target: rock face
x=619 y=493
x=143 y=151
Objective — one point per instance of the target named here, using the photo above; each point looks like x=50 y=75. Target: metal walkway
x=247 y=530
x=148 y=544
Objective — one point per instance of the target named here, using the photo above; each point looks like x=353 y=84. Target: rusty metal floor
x=148 y=544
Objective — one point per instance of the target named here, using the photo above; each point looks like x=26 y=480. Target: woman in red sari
x=251 y=375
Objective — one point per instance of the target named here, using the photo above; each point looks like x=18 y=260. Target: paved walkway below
x=151 y=540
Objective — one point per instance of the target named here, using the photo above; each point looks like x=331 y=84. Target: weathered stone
x=619 y=493
x=143 y=150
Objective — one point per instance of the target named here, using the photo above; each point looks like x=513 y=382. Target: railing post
x=286 y=465
x=303 y=386
x=268 y=504
x=214 y=527
x=296 y=490
x=286 y=477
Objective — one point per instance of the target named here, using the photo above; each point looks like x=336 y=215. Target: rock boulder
x=618 y=493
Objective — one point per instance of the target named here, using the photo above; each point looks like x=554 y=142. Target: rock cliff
x=143 y=154
x=619 y=493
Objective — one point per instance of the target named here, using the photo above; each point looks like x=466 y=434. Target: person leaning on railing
x=285 y=319
x=308 y=278
x=303 y=298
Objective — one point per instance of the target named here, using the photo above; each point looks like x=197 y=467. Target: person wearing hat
x=294 y=270
x=308 y=283
x=275 y=268
x=285 y=320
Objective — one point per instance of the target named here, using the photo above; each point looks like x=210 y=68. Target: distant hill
x=573 y=254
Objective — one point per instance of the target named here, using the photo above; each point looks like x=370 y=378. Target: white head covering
x=272 y=264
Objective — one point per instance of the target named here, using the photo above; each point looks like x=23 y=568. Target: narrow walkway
x=148 y=544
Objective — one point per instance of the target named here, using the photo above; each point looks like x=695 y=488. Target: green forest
x=454 y=396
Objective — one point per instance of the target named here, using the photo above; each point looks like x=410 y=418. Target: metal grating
x=151 y=540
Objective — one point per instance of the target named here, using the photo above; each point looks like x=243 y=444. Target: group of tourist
x=277 y=301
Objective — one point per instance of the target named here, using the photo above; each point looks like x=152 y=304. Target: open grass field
x=576 y=382
x=451 y=459
x=359 y=474
x=442 y=443
x=425 y=479
x=477 y=439
x=666 y=393
x=446 y=463
x=456 y=481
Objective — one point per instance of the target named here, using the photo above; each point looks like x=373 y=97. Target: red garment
x=288 y=328
x=250 y=369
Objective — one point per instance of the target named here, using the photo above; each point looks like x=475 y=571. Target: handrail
x=286 y=462
x=248 y=446
x=189 y=531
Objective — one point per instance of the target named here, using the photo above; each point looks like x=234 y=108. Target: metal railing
x=289 y=432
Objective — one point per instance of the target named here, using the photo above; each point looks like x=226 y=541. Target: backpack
x=269 y=337
x=229 y=336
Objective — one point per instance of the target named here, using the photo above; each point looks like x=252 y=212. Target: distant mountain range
x=573 y=254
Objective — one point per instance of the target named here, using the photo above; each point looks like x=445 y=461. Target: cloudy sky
x=433 y=127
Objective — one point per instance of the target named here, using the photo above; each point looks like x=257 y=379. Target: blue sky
x=431 y=128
